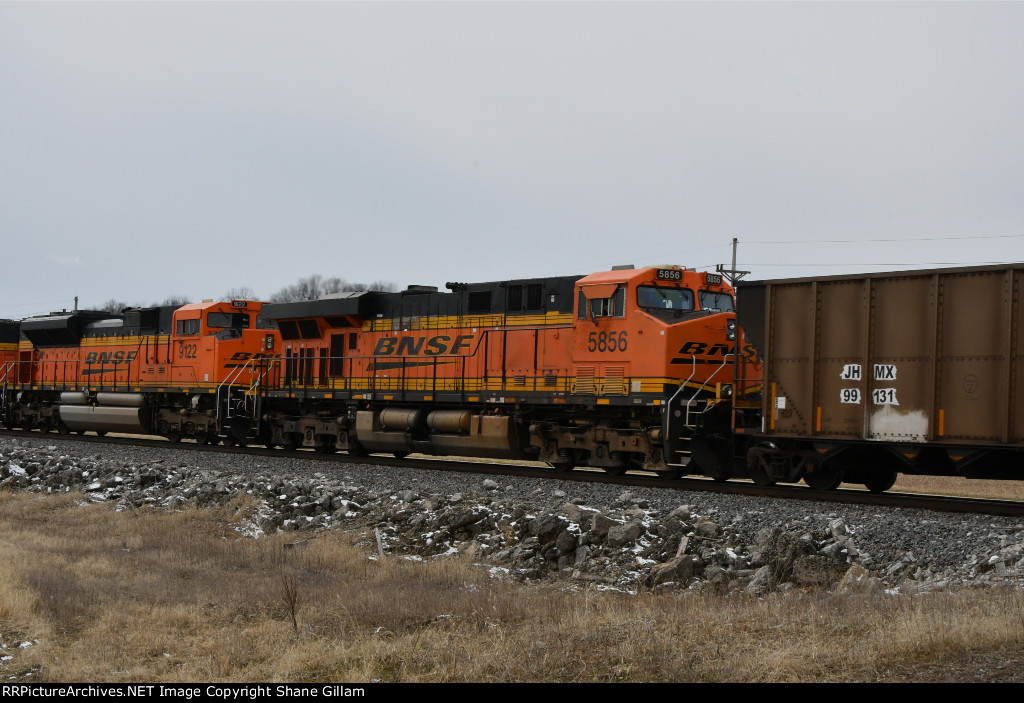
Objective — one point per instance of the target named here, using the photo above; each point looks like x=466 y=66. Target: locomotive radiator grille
x=585 y=383
x=615 y=380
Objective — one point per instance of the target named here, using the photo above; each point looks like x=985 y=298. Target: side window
x=614 y=306
x=619 y=302
x=186 y=327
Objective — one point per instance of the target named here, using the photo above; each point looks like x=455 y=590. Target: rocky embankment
x=548 y=529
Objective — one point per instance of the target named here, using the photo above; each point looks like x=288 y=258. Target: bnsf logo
x=691 y=349
x=703 y=348
x=417 y=346
x=108 y=357
x=245 y=356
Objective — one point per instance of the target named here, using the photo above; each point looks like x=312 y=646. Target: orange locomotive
x=631 y=368
x=8 y=359
x=163 y=370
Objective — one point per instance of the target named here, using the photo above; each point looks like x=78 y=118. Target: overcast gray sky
x=151 y=149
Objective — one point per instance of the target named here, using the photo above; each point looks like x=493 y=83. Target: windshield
x=716 y=300
x=235 y=320
x=664 y=298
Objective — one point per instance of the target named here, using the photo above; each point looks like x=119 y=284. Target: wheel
x=400 y=455
x=173 y=436
x=563 y=467
x=881 y=481
x=101 y=433
x=203 y=438
x=716 y=471
x=327 y=447
x=63 y=429
x=615 y=470
x=291 y=441
x=825 y=476
x=760 y=476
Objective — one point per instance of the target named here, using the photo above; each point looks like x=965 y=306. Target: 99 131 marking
x=884 y=396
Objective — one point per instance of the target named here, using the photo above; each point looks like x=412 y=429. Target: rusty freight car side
x=866 y=376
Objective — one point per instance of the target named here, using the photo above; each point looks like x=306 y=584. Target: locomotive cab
x=664 y=337
x=657 y=326
x=216 y=350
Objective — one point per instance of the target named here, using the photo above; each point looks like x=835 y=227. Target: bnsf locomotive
x=161 y=370
x=617 y=370
x=630 y=368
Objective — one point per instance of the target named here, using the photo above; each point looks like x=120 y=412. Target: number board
x=239 y=303
x=669 y=275
x=713 y=279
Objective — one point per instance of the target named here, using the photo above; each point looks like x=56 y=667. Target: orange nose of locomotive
x=695 y=312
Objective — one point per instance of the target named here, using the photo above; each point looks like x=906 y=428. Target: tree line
x=307 y=288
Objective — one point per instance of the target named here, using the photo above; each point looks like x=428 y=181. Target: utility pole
x=731 y=274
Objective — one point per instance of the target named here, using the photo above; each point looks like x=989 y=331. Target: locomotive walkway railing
x=670 y=438
x=304 y=372
x=224 y=391
x=5 y=373
x=673 y=430
x=725 y=362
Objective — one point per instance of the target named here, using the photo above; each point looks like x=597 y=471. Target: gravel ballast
x=546 y=529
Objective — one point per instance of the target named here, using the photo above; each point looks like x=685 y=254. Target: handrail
x=725 y=361
x=230 y=380
x=3 y=387
x=678 y=391
x=667 y=439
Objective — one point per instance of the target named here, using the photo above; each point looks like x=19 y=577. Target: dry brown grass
x=149 y=596
x=956 y=486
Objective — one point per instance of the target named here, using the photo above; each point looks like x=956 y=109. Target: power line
x=914 y=264
x=900 y=239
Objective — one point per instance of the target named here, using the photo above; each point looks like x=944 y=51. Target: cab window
x=232 y=320
x=664 y=298
x=715 y=300
x=185 y=327
x=614 y=306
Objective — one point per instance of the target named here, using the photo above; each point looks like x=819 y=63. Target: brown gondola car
x=619 y=369
x=867 y=376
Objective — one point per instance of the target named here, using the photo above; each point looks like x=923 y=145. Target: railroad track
x=950 y=504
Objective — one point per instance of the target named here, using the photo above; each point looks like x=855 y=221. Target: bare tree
x=241 y=293
x=114 y=306
x=316 y=286
x=176 y=300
